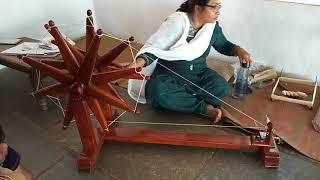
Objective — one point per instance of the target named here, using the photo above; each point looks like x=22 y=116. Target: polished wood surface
x=270 y=152
x=180 y=138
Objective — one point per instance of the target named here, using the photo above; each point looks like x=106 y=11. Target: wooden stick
x=262 y=76
x=297 y=81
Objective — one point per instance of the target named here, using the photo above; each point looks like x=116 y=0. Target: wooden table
x=15 y=63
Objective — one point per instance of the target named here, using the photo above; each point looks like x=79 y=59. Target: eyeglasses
x=216 y=7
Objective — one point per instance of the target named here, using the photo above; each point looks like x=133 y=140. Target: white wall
x=25 y=18
x=128 y=17
x=284 y=35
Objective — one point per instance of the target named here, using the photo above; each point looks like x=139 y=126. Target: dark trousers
x=171 y=92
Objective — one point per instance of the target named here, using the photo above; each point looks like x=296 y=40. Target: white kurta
x=170 y=43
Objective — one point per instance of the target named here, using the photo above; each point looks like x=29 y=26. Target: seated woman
x=176 y=57
x=10 y=168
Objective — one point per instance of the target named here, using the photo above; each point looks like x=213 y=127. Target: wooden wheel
x=85 y=77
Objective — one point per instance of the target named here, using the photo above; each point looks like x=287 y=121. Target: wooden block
x=263 y=76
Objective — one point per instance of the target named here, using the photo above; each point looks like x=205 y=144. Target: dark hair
x=189 y=5
x=2 y=135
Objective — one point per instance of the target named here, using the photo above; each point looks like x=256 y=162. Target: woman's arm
x=223 y=46
x=220 y=42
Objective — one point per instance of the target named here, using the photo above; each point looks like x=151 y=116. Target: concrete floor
x=51 y=153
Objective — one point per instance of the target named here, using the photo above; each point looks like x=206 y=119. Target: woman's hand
x=243 y=55
x=140 y=62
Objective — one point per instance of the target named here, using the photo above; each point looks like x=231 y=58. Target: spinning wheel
x=85 y=77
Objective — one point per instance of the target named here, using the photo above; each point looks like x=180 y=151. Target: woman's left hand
x=243 y=56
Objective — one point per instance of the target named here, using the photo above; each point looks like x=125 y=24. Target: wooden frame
x=266 y=146
x=309 y=104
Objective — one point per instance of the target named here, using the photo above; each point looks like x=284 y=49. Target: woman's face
x=211 y=11
x=3 y=152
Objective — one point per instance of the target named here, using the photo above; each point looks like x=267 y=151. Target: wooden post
x=271 y=153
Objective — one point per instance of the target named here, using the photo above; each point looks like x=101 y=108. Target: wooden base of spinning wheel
x=271 y=156
x=270 y=152
x=87 y=161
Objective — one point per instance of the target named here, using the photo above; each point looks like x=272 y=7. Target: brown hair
x=189 y=5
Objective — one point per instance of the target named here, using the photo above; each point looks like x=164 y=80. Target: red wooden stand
x=267 y=146
x=269 y=152
x=85 y=77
